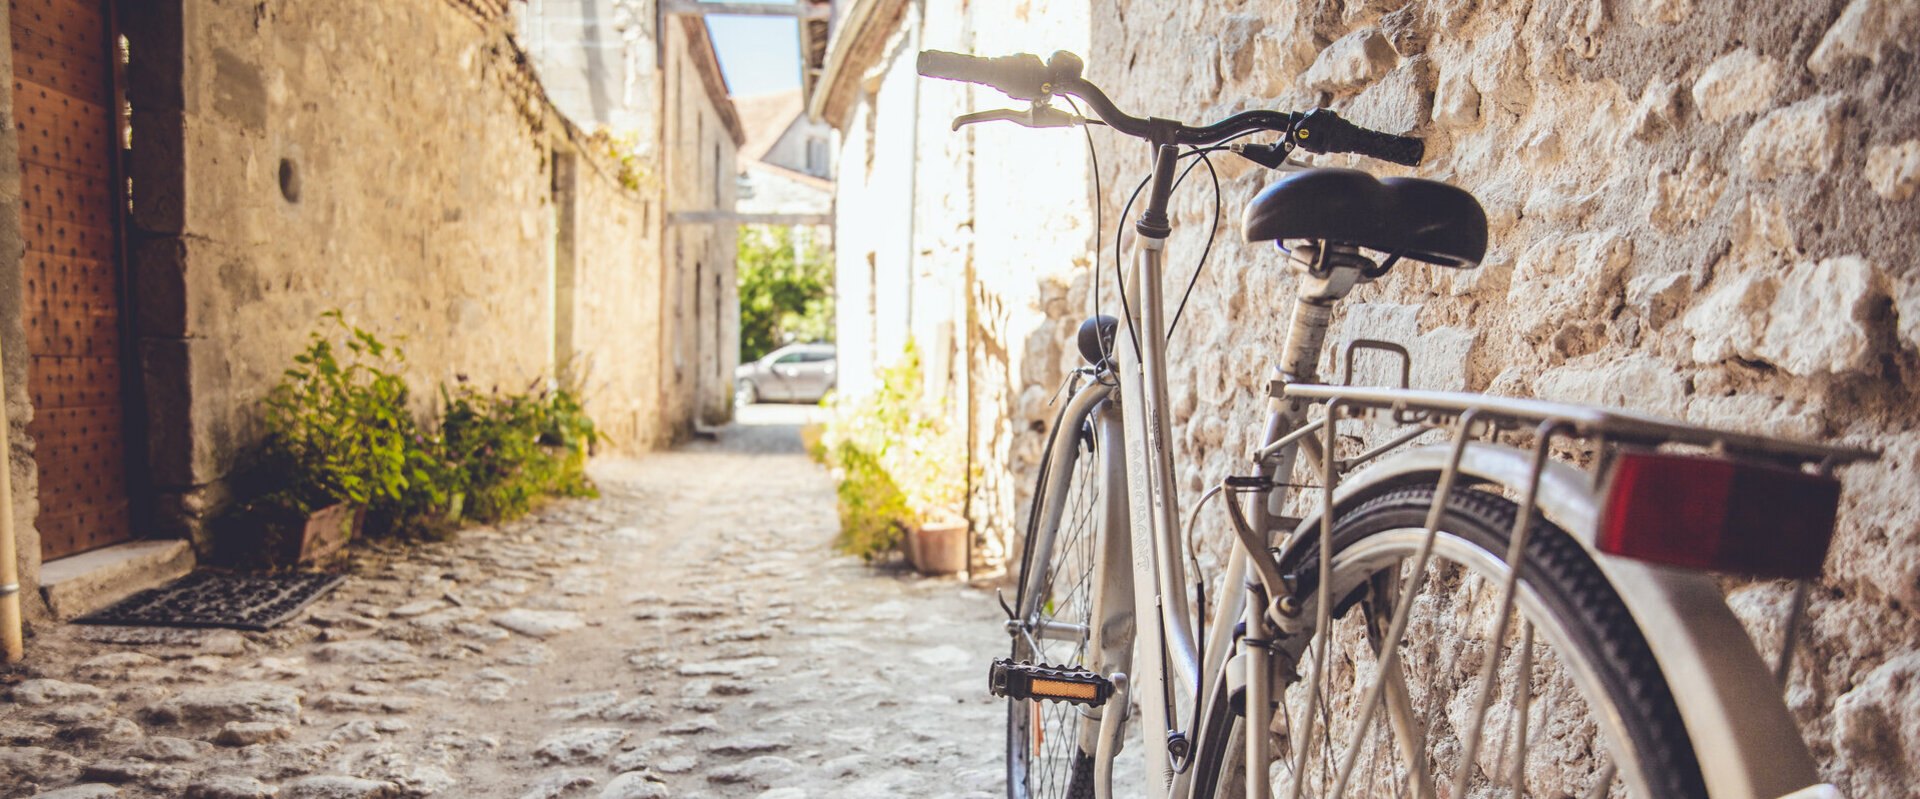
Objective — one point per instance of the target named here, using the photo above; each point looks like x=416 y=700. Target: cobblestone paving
x=690 y=633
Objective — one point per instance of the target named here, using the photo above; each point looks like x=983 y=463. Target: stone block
x=218 y=704
x=1866 y=29
x=1569 y=277
x=1399 y=102
x=190 y=439
x=1683 y=196
x=1740 y=82
x=1237 y=49
x=80 y=584
x=1351 y=62
x=1803 y=137
x=1456 y=102
x=239 y=90
x=1640 y=382
x=1279 y=55
x=1894 y=170
x=1651 y=13
x=1658 y=298
x=1819 y=320
x=1729 y=320
x=1656 y=112
x=160 y=206
x=1876 y=728
x=1906 y=306
x=159 y=272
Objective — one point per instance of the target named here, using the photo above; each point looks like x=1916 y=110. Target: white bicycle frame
x=1748 y=748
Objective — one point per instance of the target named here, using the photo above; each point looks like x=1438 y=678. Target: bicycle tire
x=1571 y=603
x=1044 y=760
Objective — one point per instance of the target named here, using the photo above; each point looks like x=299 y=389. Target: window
x=817 y=157
x=792 y=357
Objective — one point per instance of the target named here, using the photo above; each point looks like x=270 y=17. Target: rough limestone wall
x=1031 y=227
x=390 y=160
x=1698 y=209
x=616 y=357
x=700 y=290
x=24 y=472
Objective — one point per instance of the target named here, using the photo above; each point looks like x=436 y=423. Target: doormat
x=211 y=599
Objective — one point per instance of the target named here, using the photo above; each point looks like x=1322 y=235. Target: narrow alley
x=690 y=633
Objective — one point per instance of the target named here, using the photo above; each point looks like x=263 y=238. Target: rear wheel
x=1578 y=707
x=1044 y=755
x=745 y=393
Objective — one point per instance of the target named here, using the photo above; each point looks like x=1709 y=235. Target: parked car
x=796 y=373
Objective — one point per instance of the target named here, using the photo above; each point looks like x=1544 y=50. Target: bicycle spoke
x=1403 y=604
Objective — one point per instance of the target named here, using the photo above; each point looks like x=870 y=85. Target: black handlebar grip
x=1018 y=76
x=1323 y=131
x=1403 y=150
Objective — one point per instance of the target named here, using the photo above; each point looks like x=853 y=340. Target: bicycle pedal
x=1054 y=683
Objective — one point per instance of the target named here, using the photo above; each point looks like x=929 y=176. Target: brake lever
x=1039 y=116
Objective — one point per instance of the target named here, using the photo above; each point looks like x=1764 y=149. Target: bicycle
x=1471 y=561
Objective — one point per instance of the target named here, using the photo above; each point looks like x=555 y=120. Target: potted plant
x=901 y=473
x=339 y=439
x=931 y=465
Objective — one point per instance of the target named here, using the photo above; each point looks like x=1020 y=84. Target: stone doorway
x=66 y=109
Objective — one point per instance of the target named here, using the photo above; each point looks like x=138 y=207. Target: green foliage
x=873 y=511
x=898 y=463
x=339 y=430
x=786 y=290
x=633 y=171
x=507 y=450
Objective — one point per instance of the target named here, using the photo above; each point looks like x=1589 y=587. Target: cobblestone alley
x=690 y=633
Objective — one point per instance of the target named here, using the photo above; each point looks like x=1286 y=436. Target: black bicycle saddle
x=1424 y=220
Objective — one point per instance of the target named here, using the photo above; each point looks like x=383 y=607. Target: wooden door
x=65 y=114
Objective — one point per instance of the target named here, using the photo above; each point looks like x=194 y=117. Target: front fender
x=1748 y=745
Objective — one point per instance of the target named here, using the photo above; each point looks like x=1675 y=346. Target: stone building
x=662 y=96
x=194 y=182
x=786 y=165
x=1703 y=210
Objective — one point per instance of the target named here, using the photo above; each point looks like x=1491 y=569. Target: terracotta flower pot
x=325 y=533
x=938 y=548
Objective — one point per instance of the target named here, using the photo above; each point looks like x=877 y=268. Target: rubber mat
x=213 y=599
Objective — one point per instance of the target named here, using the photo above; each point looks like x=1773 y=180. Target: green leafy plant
x=899 y=465
x=339 y=430
x=623 y=149
x=509 y=449
x=786 y=289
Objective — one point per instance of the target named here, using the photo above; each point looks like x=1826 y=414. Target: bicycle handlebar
x=1024 y=77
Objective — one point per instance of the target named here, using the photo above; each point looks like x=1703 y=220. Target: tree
x=786 y=289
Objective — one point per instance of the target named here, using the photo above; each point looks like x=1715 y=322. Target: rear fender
x=1749 y=746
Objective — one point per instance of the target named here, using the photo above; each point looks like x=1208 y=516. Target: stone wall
x=1700 y=209
x=700 y=138
x=397 y=161
x=22 y=471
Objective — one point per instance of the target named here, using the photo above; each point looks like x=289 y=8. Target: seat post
x=1327 y=273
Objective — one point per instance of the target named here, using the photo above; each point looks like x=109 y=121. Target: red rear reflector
x=1718 y=515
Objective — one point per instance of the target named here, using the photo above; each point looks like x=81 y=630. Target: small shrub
x=339 y=430
x=898 y=463
x=510 y=449
x=873 y=511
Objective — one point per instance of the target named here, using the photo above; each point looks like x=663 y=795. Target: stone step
x=80 y=584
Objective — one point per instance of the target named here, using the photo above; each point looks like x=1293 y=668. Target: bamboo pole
x=11 y=648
